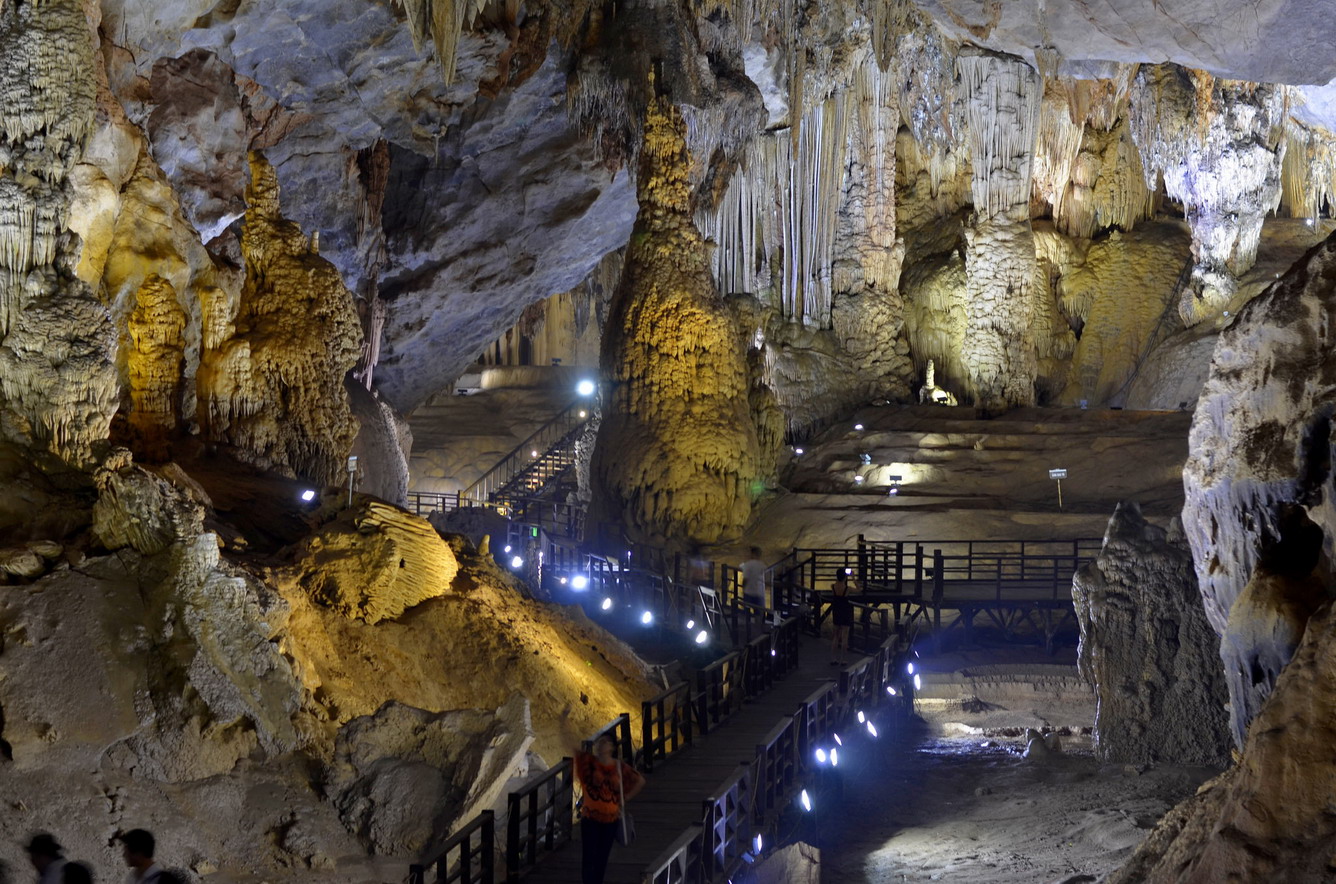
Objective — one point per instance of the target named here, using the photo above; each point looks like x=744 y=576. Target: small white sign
x=1057 y=474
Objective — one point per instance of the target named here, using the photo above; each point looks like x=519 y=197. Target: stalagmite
x=155 y=329
x=1218 y=145
x=1003 y=98
x=274 y=389
x=678 y=453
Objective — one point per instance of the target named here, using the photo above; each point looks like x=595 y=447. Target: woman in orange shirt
x=605 y=781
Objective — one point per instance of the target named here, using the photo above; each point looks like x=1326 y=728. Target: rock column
x=678 y=453
x=1003 y=99
x=57 y=381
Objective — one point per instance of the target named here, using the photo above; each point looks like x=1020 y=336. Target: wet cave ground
x=974 y=810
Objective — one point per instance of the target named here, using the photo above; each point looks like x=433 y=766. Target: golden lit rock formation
x=678 y=453
x=273 y=386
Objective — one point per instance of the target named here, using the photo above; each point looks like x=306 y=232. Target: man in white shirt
x=47 y=857
x=138 y=846
x=753 y=580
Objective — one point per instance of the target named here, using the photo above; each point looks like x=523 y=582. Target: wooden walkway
x=676 y=789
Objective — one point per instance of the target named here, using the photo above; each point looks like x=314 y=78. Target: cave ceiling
x=460 y=196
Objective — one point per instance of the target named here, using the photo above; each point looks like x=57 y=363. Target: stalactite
x=441 y=21
x=1308 y=173
x=1218 y=145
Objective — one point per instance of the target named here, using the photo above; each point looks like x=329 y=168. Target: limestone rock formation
x=57 y=384
x=1259 y=490
x=271 y=382
x=375 y=562
x=1268 y=818
x=1147 y=649
x=678 y=453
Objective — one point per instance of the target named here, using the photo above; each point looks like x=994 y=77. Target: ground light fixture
x=798 y=451
x=806 y=801
x=586 y=387
x=506 y=548
x=702 y=637
x=890 y=690
x=862 y=719
x=691 y=624
x=757 y=843
x=834 y=757
x=871 y=729
x=647 y=618
x=579 y=581
x=308 y=495
x=837 y=738
x=607 y=605
x=821 y=755
x=516 y=562
x=858 y=427
x=910 y=668
x=918 y=683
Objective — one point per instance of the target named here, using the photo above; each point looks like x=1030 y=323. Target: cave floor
x=973 y=810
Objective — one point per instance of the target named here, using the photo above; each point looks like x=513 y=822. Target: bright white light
x=562 y=581
x=820 y=755
x=797 y=451
x=858 y=479
x=507 y=548
x=647 y=618
x=533 y=453
x=861 y=717
x=308 y=495
x=691 y=624
x=807 y=801
x=702 y=637
x=607 y=605
x=834 y=757
x=516 y=562
x=910 y=667
x=858 y=426
x=579 y=581
x=756 y=844
x=893 y=491
x=584 y=414
x=586 y=387
x=871 y=729
x=890 y=690
x=918 y=683
x=837 y=739
x=772 y=653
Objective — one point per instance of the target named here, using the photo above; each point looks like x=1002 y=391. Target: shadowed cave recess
x=384 y=384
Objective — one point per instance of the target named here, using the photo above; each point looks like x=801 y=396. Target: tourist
x=842 y=616
x=608 y=783
x=47 y=857
x=753 y=580
x=137 y=848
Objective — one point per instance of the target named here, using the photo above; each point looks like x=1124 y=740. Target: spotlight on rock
x=586 y=387
x=516 y=562
x=647 y=618
x=579 y=581
x=308 y=495
x=607 y=605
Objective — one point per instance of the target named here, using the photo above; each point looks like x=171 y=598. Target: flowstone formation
x=273 y=367
x=57 y=383
x=1147 y=649
x=678 y=451
x=1259 y=508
